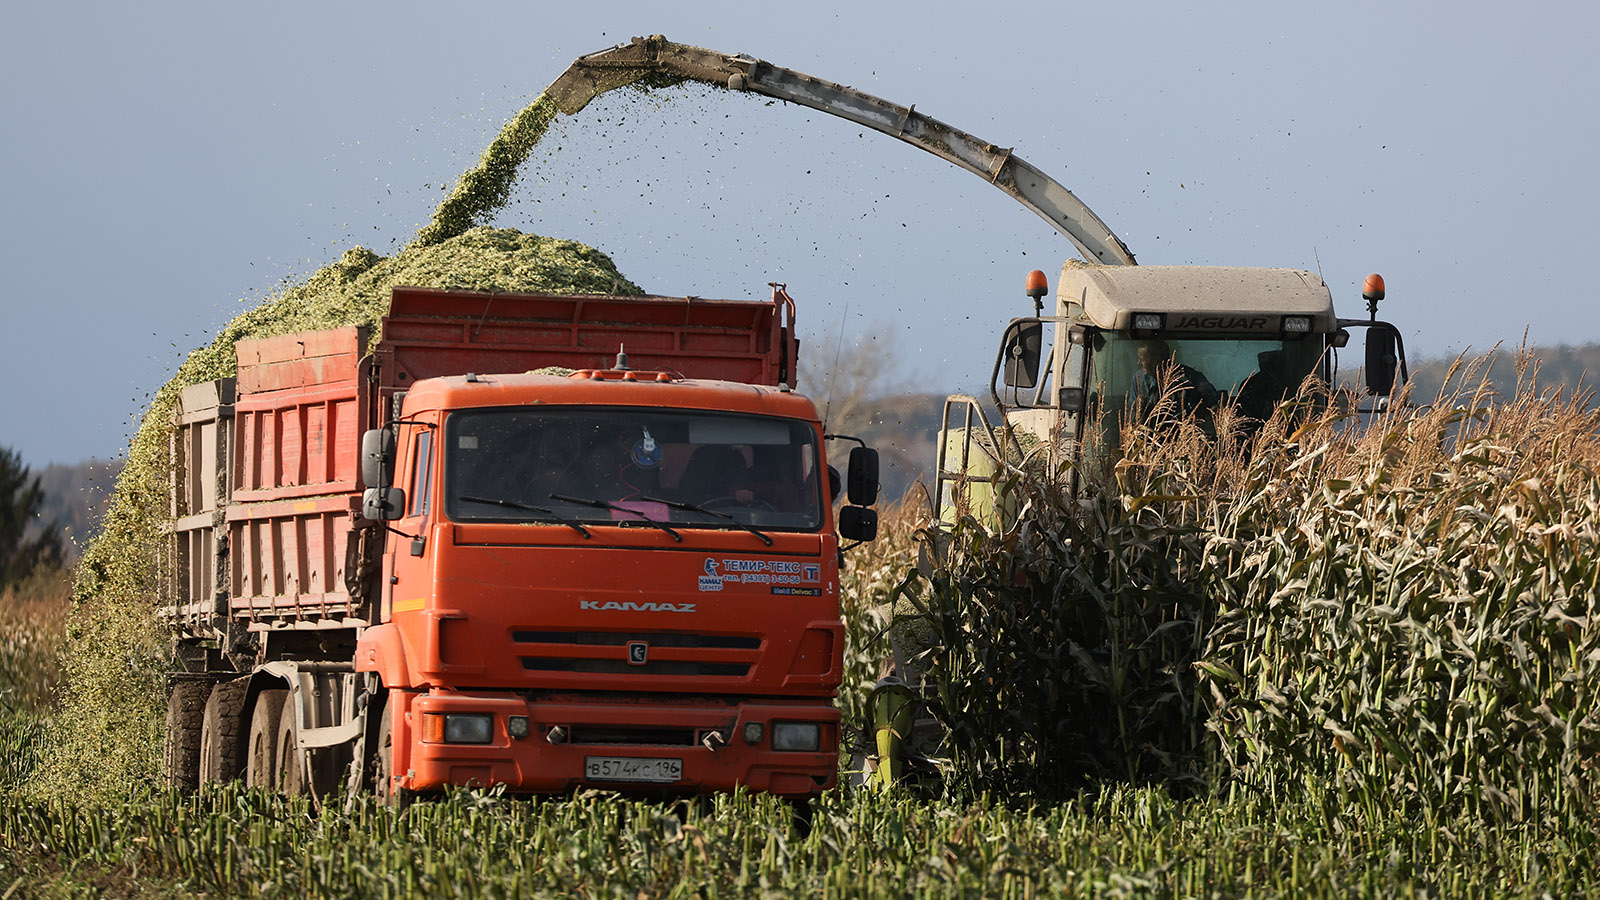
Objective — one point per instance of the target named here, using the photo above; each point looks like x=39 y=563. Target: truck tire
x=180 y=756
x=261 y=753
x=293 y=778
x=221 y=739
x=383 y=758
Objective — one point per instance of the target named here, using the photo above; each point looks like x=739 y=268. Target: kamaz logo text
x=633 y=606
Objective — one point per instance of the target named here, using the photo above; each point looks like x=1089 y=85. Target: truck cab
x=610 y=578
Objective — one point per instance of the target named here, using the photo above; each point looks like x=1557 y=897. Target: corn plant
x=1406 y=609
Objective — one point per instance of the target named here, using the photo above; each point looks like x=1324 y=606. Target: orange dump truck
x=432 y=561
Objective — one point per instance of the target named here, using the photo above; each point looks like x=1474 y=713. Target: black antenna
x=833 y=374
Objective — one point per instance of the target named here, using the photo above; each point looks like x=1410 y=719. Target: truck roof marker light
x=634 y=375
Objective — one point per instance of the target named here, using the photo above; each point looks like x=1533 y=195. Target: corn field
x=1406 y=611
x=1303 y=660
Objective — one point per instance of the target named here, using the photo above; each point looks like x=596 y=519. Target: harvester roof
x=1199 y=298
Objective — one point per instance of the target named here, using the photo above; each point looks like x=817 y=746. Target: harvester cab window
x=632 y=466
x=1256 y=373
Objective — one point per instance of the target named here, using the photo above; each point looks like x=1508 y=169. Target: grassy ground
x=1123 y=841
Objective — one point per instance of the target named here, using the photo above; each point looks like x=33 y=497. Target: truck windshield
x=614 y=466
x=1255 y=373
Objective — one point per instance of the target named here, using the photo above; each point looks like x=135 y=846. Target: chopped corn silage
x=107 y=730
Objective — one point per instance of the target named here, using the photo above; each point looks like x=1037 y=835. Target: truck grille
x=623 y=667
x=666 y=653
x=653 y=638
x=636 y=736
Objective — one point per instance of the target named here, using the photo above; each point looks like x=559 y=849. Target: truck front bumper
x=691 y=745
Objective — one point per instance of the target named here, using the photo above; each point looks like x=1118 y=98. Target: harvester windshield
x=615 y=466
x=1256 y=373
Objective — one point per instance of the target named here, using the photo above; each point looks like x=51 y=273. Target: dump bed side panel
x=432 y=332
x=196 y=548
x=299 y=415
x=296 y=488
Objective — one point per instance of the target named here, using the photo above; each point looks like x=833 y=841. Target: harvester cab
x=1127 y=343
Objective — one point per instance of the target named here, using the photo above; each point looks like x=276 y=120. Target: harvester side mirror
x=1023 y=348
x=861 y=481
x=377 y=457
x=857 y=523
x=1381 y=360
x=383 y=504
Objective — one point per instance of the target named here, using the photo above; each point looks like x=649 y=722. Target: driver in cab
x=1159 y=373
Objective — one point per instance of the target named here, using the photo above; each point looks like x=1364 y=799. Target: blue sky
x=170 y=160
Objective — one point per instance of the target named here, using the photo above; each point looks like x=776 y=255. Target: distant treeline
x=75 y=498
x=1565 y=367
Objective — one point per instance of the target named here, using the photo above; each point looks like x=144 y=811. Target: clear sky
x=171 y=163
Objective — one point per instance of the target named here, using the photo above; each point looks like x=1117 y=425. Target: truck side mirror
x=862 y=478
x=383 y=504
x=1022 y=348
x=857 y=523
x=1381 y=360
x=377 y=457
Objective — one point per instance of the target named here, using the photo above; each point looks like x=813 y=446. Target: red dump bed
x=266 y=490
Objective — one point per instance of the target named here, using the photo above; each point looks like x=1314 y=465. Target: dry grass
x=33 y=618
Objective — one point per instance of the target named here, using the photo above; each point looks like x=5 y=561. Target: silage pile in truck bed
x=107 y=731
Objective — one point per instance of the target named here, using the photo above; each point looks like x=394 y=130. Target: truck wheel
x=220 y=740
x=383 y=775
x=261 y=757
x=180 y=757
x=291 y=768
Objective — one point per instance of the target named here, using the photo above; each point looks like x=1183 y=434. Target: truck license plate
x=628 y=768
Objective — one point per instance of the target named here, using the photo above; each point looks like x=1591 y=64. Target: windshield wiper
x=536 y=509
x=695 y=507
x=607 y=504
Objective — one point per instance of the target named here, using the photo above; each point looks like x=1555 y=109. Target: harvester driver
x=1158 y=370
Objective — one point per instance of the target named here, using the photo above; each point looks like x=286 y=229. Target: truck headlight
x=1296 y=324
x=458 y=728
x=796 y=736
